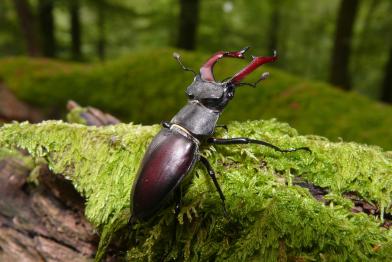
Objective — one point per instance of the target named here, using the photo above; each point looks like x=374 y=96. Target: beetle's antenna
x=178 y=58
x=265 y=75
x=256 y=62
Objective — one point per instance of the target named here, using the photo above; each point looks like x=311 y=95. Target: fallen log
x=270 y=214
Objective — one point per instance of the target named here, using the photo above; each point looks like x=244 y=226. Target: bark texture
x=274 y=24
x=386 y=92
x=44 y=222
x=340 y=61
x=76 y=27
x=101 y=42
x=47 y=27
x=27 y=26
x=189 y=19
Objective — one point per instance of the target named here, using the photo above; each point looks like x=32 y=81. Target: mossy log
x=41 y=214
x=269 y=218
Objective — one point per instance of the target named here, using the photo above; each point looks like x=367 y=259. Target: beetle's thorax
x=199 y=120
x=213 y=95
x=206 y=101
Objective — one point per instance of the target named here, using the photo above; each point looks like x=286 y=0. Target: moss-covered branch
x=269 y=217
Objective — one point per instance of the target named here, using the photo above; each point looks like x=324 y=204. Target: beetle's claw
x=305 y=148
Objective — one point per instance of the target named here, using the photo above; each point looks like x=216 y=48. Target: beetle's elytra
x=175 y=149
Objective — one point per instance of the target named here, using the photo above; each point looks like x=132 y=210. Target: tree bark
x=27 y=26
x=44 y=222
x=274 y=24
x=101 y=43
x=47 y=27
x=76 y=42
x=189 y=19
x=340 y=60
x=386 y=91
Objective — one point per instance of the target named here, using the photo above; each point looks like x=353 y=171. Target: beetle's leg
x=177 y=208
x=244 y=140
x=177 y=197
x=224 y=127
x=211 y=173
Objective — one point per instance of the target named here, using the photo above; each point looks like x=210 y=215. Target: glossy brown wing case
x=169 y=158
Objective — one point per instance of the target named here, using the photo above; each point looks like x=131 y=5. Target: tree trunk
x=27 y=26
x=46 y=25
x=386 y=92
x=189 y=19
x=74 y=10
x=101 y=43
x=339 y=71
x=274 y=24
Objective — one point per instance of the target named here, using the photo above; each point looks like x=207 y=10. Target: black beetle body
x=175 y=149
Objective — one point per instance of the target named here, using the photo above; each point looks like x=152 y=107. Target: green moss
x=148 y=87
x=268 y=218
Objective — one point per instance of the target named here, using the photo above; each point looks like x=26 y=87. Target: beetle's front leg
x=211 y=173
x=223 y=126
x=245 y=140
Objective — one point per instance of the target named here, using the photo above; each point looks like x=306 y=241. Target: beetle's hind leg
x=244 y=140
x=211 y=173
x=177 y=208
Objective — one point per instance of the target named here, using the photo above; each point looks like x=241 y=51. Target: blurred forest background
x=346 y=43
x=333 y=79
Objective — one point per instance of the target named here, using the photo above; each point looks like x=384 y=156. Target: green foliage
x=268 y=217
x=304 y=30
x=148 y=87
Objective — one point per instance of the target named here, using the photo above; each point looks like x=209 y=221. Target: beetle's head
x=216 y=95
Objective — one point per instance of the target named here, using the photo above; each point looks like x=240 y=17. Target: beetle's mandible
x=175 y=149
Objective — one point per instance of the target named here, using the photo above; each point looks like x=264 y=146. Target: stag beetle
x=175 y=149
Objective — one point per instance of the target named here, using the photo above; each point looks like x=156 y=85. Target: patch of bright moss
x=268 y=217
x=148 y=87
